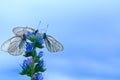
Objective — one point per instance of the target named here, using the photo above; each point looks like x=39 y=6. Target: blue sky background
x=88 y=29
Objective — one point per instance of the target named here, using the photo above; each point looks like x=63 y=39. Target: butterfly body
x=23 y=41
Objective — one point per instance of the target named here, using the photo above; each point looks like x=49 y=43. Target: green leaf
x=39 y=45
x=33 y=54
x=36 y=59
x=39 y=69
x=27 y=54
x=25 y=72
x=32 y=38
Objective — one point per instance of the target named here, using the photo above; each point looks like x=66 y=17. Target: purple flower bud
x=29 y=60
x=39 y=40
x=41 y=63
x=40 y=54
x=26 y=63
x=29 y=47
x=28 y=34
x=38 y=76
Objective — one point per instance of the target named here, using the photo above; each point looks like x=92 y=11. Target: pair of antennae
x=44 y=29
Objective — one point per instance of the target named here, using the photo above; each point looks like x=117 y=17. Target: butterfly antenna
x=38 y=24
x=46 y=28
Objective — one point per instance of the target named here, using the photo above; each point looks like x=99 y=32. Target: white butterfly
x=15 y=45
x=51 y=43
x=22 y=30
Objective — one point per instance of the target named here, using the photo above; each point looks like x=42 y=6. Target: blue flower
x=29 y=47
x=40 y=54
x=39 y=40
x=38 y=76
x=41 y=63
x=28 y=34
x=26 y=63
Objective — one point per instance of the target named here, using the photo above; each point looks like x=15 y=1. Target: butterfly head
x=36 y=31
x=44 y=36
x=24 y=37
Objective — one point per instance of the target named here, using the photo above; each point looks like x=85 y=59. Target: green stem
x=33 y=62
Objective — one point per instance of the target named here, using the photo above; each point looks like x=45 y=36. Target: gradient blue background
x=88 y=29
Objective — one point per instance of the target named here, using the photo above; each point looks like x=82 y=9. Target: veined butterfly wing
x=52 y=44
x=12 y=46
x=19 y=31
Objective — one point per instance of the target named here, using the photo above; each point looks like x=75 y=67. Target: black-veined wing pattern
x=52 y=44
x=19 y=31
x=14 y=46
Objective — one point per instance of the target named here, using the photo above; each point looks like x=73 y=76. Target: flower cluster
x=26 y=63
x=33 y=66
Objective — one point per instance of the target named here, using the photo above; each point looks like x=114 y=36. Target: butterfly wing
x=52 y=44
x=22 y=30
x=12 y=46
